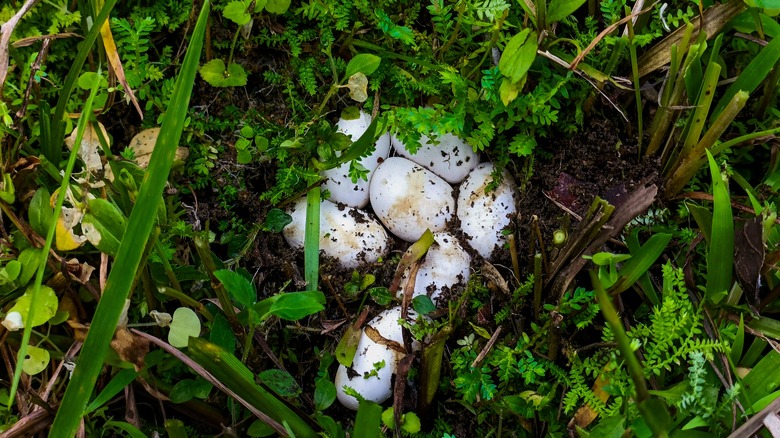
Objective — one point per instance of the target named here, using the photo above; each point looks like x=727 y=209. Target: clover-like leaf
x=365 y=63
x=37 y=360
x=185 y=324
x=45 y=305
x=218 y=75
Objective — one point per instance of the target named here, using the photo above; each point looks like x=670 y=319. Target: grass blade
x=753 y=75
x=720 y=257
x=132 y=247
x=640 y=262
x=368 y=420
x=311 y=242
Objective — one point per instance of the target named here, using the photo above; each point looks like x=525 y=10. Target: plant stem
x=623 y=342
x=202 y=247
x=635 y=73
x=232 y=48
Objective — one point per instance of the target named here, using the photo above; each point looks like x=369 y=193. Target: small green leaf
x=381 y=295
x=296 y=305
x=276 y=220
x=324 y=393
x=236 y=12
x=560 y=9
x=480 y=331
x=36 y=361
x=40 y=211
x=259 y=429
x=518 y=55
x=364 y=63
x=87 y=80
x=104 y=225
x=45 y=306
x=412 y=423
x=238 y=286
x=277 y=6
x=185 y=324
x=7 y=189
x=29 y=259
x=423 y=305
x=281 y=382
x=181 y=391
x=222 y=334
x=216 y=74
x=345 y=350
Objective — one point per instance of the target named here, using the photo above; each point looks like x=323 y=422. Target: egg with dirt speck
x=483 y=213
x=448 y=156
x=410 y=199
x=445 y=268
x=375 y=361
x=351 y=236
x=339 y=183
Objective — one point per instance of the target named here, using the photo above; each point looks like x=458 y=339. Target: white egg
x=347 y=234
x=446 y=267
x=484 y=215
x=409 y=199
x=338 y=182
x=451 y=159
x=374 y=363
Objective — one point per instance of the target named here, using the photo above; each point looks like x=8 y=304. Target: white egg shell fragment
x=409 y=199
x=484 y=215
x=451 y=159
x=338 y=182
x=347 y=234
x=372 y=378
x=446 y=267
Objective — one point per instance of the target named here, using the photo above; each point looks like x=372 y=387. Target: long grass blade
x=720 y=257
x=132 y=247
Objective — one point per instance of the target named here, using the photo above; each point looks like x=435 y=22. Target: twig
x=5 y=36
x=482 y=354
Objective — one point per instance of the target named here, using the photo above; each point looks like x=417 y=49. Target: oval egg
x=375 y=362
x=338 y=181
x=484 y=215
x=347 y=234
x=452 y=158
x=409 y=199
x=446 y=268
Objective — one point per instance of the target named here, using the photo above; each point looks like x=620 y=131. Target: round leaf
x=45 y=305
x=37 y=360
x=185 y=324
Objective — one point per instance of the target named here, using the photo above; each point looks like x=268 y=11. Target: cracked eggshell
x=338 y=182
x=409 y=199
x=451 y=159
x=484 y=215
x=375 y=386
x=447 y=266
x=347 y=234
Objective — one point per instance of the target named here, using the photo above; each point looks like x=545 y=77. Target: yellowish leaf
x=143 y=145
x=116 y=64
